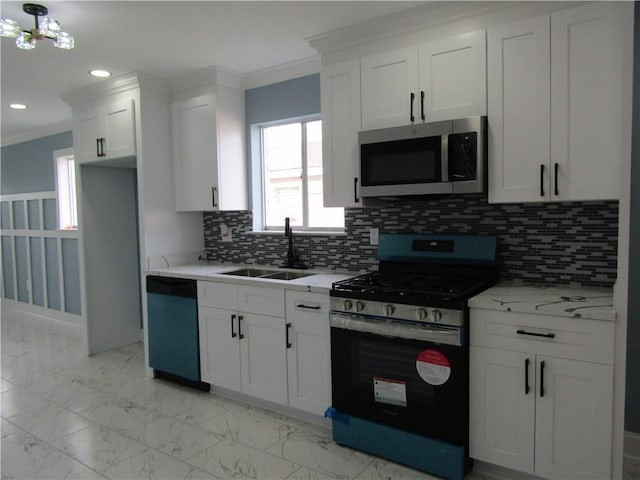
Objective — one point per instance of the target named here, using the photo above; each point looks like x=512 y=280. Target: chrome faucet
x=293 y=259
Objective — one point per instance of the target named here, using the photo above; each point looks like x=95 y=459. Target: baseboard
x=632 y=444
x=27 y=308
x=501 y=473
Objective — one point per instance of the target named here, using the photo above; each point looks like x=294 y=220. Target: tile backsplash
x=562 y=243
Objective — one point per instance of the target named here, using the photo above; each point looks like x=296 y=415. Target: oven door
x=391 y=378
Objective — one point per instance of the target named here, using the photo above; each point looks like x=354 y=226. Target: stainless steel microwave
x=429 y=158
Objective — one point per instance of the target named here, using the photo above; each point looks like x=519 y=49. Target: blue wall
x=28 y=166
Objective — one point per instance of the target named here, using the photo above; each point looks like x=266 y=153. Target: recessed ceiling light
x=18 y=106
x=100 y=73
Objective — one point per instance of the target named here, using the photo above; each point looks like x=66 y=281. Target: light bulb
x=64 y=40
x=9 y=28
x=49 y=27
x=25 y=41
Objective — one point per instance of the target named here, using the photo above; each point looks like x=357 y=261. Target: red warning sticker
x=433 y=367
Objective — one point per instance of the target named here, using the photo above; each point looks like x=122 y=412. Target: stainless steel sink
x=266 y=273
x=250 y=272
x=287 y=275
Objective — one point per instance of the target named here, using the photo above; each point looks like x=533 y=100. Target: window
x=292 y=178
x=66 y=189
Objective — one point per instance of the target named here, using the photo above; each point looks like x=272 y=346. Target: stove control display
x=436 y=316
x=421 y=314
x=359 y=306
x=347 y=305
x=388 y=310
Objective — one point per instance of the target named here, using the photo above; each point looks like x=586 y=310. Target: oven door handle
x=390 y=328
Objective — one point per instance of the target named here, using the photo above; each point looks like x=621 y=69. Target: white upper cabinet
x=340 y=104
x=208 y=152
x=453 y=77
x=555 y=105
x=389 y=86
x=519 y=110
x=437 y=80
x=106 y=132
x=586 y=104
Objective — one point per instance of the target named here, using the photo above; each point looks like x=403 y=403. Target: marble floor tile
x=77 y=396
x=304 y=473
x=151 y=464
x=68 y=469
x=98 y=447
x=319 y=453
x=230 y=459
x=7 y=428
x=380 y=469
x=249 y=428
x=25 y=456
x=631 y=467
x=5 y=385
x=50 y=422
x=18 y=400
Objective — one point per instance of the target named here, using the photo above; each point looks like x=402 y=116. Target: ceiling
x=164 y=38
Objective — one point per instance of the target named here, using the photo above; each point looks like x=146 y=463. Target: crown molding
x=281 y=73
x=60 y=127
x=204 y=80
x=425 y=16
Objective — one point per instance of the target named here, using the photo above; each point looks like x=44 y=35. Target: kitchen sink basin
x=266 y=273
x=250 y=272
x=287 y=275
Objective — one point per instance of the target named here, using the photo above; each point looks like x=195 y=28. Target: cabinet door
x=573 y=419
x=119 y=130
x=87 y=132
x=502 y=407
x=340 y=97
x=586 y=115
x=519 y=110
x=453 y=77
x=388 y=81
x=195 y=153
x=263 y=357
x=309 y=353
x=219 y=348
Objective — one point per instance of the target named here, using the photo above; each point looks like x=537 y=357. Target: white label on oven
x=393 y=392
x=433 y=367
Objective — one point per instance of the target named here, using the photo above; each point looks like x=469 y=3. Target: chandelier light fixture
x=45 y=28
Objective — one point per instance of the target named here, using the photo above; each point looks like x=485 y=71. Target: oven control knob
x=389 y=309
x=436 y=316
x=421 y=314
x=359 y=306
x=347 y=305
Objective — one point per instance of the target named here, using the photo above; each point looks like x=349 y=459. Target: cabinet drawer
x=261 y=300
x=308 y=306
x=572 y=338
x=218 y=295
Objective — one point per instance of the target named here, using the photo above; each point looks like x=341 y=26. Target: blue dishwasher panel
x=173 y=335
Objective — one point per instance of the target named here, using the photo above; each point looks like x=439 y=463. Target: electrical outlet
x=373 y=236
x=226 y=233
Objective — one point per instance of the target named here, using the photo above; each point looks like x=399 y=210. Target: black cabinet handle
x=413 y=96
x=422 y=105
x=240 y=334
x=542 y=379
x=214 y=190
x=526 y=376
x=287 y=327
x=534 y=334
x=555 y=179
x=356 y=199
x=309 y=307
x=233 y=333
x=542 y=180
x=98 y=147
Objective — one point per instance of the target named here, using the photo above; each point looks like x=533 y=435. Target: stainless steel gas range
x=399 y=350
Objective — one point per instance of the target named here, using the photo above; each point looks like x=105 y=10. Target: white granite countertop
x=318 y=281
x=565 y=301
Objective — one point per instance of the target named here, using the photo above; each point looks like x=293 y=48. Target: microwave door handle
x=444 y=157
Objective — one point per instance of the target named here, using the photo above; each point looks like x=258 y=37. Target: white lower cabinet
x=243 y=350
x=533 y=410
x=247 y=345
x=308 y=352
